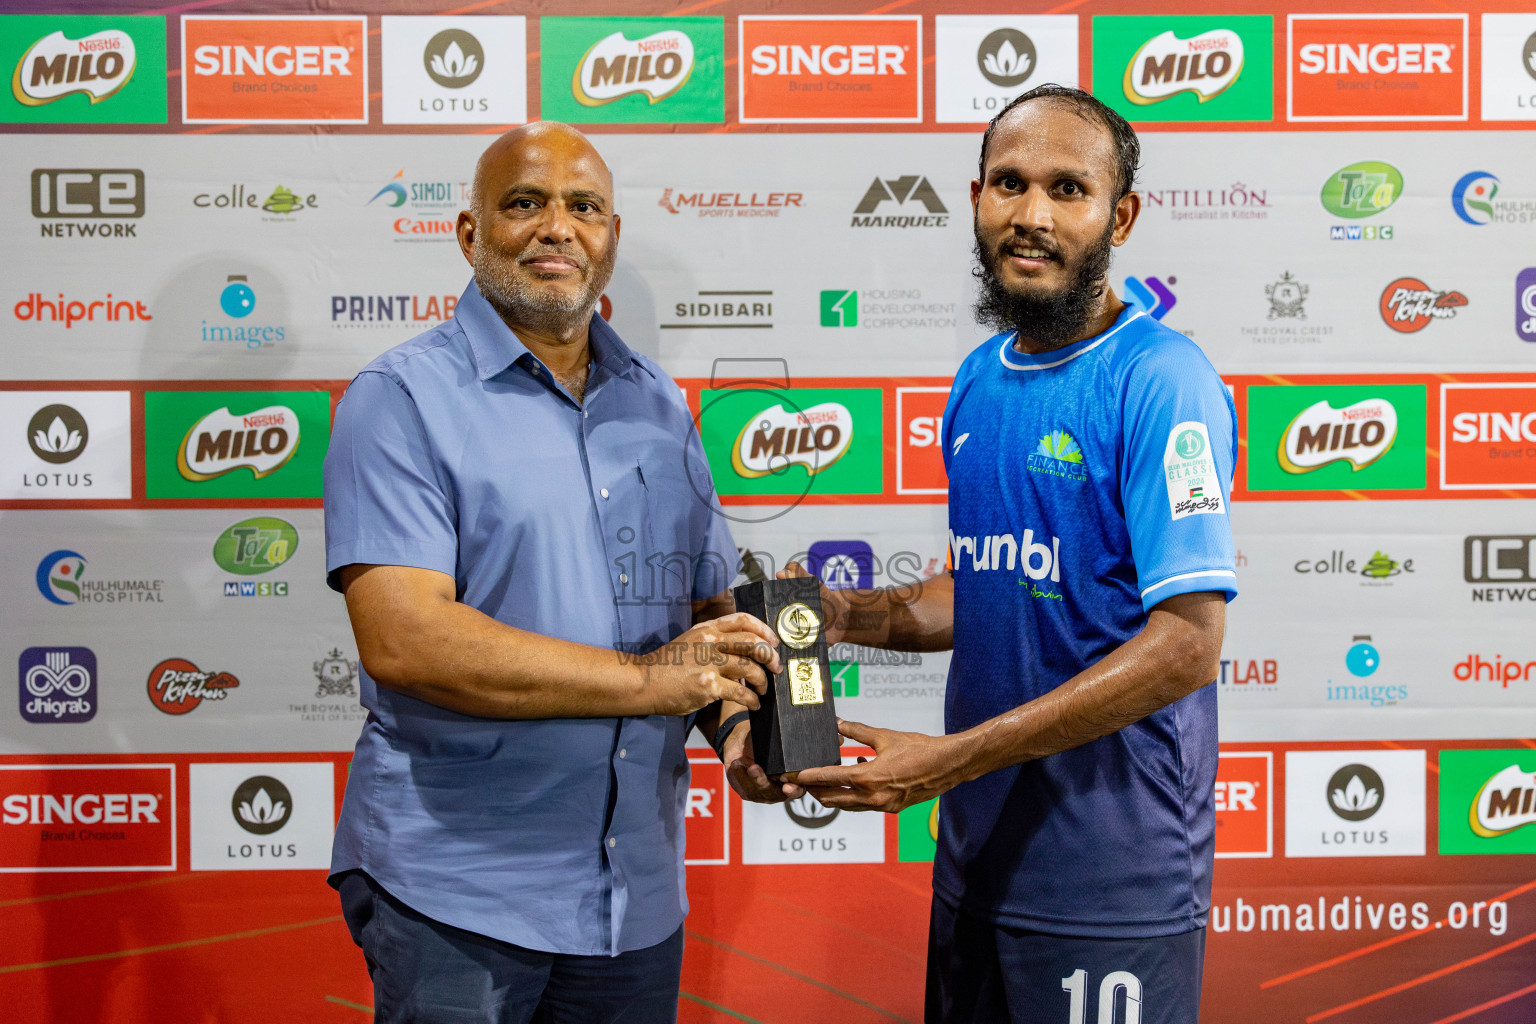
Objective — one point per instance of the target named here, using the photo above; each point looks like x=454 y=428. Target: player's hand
x=908 y=768
x=747 y=777
x=720 y=659
x=834 y=603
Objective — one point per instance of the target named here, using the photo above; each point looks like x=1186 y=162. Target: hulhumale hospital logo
x=1472 y=197
x=58 y=576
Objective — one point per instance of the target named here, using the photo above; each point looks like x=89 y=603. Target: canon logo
x=279 y=61
x=80 y=808
x=1381 y=59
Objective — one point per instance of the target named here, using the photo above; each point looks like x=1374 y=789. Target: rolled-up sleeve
x=388 y=500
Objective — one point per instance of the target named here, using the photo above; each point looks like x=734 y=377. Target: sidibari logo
x=656 y=66
x=1165 y=65
x=255 y=546
x=56 y=66
x=1362 y=189
x=261 y=805
x=1320 y=435
x=1409 y=305
x=58 y=434
x=176 y=686
x=220 y=442
x=777 y=438
x=1504 y=803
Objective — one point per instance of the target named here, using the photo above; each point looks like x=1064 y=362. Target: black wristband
x=723 y=733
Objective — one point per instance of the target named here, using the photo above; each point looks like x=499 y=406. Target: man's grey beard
x=1052 y=319
x=519 y=301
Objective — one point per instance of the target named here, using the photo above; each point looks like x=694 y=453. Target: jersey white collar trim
x=1002 y=353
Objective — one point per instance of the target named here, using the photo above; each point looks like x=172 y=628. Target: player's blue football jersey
x=1086 y=485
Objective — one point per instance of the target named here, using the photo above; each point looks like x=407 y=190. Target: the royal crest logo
x=176 y=686
x=220 y=442
x=777 y=438
x=1286 y=297
x=56 y=66
x=337 y=676
x=657 y=65
x=1165 y=65
x=1408 y=304
x=1321 y=435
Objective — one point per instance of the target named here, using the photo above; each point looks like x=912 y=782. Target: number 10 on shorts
x=1110 y=990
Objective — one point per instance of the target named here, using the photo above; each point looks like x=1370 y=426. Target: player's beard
x=1052 y=318
x=520 y=300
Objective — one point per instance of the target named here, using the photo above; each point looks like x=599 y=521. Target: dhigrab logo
x=1036 y=559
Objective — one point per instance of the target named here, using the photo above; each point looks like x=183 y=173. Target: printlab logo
x=1286 y=298
x=61 y=197
x=453 y=58
x=261 y=805
x=92 y=68
x=337 y=676
x=58 y=434
x=177 y=687
x=1409 y=305
x=1359 y=191
x=1006 y=58
x=58 y=684
x=374 y=311
x=913 y=188
x=1150 y=295
x=1355 y=792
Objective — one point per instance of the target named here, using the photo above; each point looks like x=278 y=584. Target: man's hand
x=747 y=777
x=721 y=659
x=908 y=768
x=834 y=603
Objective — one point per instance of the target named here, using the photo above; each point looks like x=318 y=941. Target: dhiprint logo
x=176 y=686
x=58 y=684
x=1409 y=305
x=1354 y=792
x=1150 y=295
x=453 y=58
x=261 y=805
x=58 y=434
x=1057 y=454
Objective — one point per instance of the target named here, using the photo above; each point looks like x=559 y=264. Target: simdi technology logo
x=1185 y=67
x=632 y=70
x=274 y=69
x=83 y=69
x=830 y=68
x=1323 y=437
x=235 y=444
x=1377 y=67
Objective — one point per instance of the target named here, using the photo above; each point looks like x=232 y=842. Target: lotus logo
x=656 y=67
x=1355 y=792
x=56 y=66
x=221 y=442
x=1165 y=65
x=1472 y=197
x=453 y=58
x=57 y=434
x=1320 y=435
x=808 y=812
x=1529 y=52
x=777 y=438
x=1006 y=57
x=261 y=805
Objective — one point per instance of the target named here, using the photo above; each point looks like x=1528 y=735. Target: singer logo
x=920 y=455
x=831 y=68
x=87 y=817
x=1244 y=807
x=1381 y=67
x=1320 y=434
x=707 y=814
x=274 y=69
x=1488 y=436
x=261 y=441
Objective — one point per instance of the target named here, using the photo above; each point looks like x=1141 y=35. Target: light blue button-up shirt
x=595 y=523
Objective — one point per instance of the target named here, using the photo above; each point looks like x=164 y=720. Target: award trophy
x=796 y=726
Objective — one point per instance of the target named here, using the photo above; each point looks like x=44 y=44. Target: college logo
x=1185 y=68
x=1487 y=436
x=288 y=69
x=1408 y=305
x=1194 y=489
x=1377 y=67
x=920 y=455
x=723 y=309
x=91 y=817
x=842 y=564
x=263 y=816
x=728 y=204
x=58 y=684
x=1358 y=191
x=252 y=547
x=914 y=187
x=429 y=209
x=440 y=70
x=635 y=70
x=1361 y=661
x=58 y=434
x=1286 y=297
x=280 y=203
x=805 y=831
x=84 y=68
x=337 y=676
x=176 y=686
x=1355 y=803
x=198 y=443
x=1244 y=804
x=1356 y=437
x=1487 y=801
x=1150 y=295
x=108 y=196
x=1525 y=304
x=65 y=444
x=1378 y=568
x=789 y=442
x=983 y=61
x=830 y=68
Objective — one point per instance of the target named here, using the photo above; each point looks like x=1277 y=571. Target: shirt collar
x=496 y=346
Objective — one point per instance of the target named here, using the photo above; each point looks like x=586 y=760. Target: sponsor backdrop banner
x=216 y=216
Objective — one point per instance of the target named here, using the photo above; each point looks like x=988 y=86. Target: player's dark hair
x=1127 y=146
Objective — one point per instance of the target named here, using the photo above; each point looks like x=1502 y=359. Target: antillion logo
x=911 y=187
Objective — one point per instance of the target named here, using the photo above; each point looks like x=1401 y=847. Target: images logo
x=1408 y=305
x=1377 y=67
x=252 y=547
x=287 y=69
x=58 y=434
x=58 y=576
x=1487 y=800
x=84 y=68
x=1150 y=295
x=58 y=684
x=107 y=195
x=830 y=68
x=1337 y=436
x=1472 y=197
x=176 y=686
x=1525 y=304
x=1487 y=436
x=1362 y=659
x=636 y=70
x=912 y=186
x=261 y=805
x=237 y=300
x=788 y=442
x=842 y=564
x=1185 y=68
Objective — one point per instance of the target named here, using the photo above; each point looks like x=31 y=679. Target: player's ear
x=465 y=231
x=1126 y=211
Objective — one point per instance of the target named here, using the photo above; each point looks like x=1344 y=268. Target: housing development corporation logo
x=1487 y=801
x=176 y=686
x=1409 y=305
x=1377 y=67
x=1336 y=436
x=84 y=68
x=58 y=684
x=636 y=70
x=234 y=443
x=913 y=188
x=792 y=441
x=831 y=68
x=106 y=200
x=1185 y=68
x=275 y=69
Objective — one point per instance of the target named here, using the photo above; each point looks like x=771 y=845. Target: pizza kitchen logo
x=1409 y=305
x=1165 y=65
x=1321 y=435
x=261 y=441
x=177 y=686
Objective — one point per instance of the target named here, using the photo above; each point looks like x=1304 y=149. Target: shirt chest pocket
x=668 y=532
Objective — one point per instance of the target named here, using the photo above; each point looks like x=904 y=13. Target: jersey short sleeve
x=1180 y=443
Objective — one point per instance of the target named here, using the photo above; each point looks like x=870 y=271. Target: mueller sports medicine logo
x=58 y=684
x=911 y=188
x=832 y=68
x=274 y=69
x=1488 y=436
x=1409 y=305
x=1165 y=65
x=1377 y=67
x=1320 y=435
x=814 y=437
x=88 y=817
x=176 y=686
x=102 y=199
x=655 y=66
x=729 y=204
x=221 y=442
x=55 y=66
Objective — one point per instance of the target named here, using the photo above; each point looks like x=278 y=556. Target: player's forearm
x=918 y=616
x=1175 y=654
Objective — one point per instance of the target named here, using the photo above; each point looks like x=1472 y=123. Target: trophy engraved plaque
x=796 y=726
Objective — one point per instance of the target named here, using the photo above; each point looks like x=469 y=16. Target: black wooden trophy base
x=796 y=726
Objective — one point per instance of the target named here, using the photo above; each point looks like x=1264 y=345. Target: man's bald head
x=535 y=142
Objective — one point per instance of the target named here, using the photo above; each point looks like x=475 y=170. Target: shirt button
x=612 y=842
x=623 y=577
x=623 y=753
x=585 y=413
x=604 y=493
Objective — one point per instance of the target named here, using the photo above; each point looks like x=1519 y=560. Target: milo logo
x=657 y=65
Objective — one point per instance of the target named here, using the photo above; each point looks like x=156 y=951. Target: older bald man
x=519 y=514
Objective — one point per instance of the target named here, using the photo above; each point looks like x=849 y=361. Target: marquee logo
x=656 y=66
x=293 y=69
x=1165 y=65
x=909 y=187
x=1320 y=435
x=55 y=66
x=177 y=687
x=1377 y=67
x=778 y=438
x=220 y=442
x=1408 y=305
x=58 y=684
x=831 y=68
x=1487 y=436
x=637 y=70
